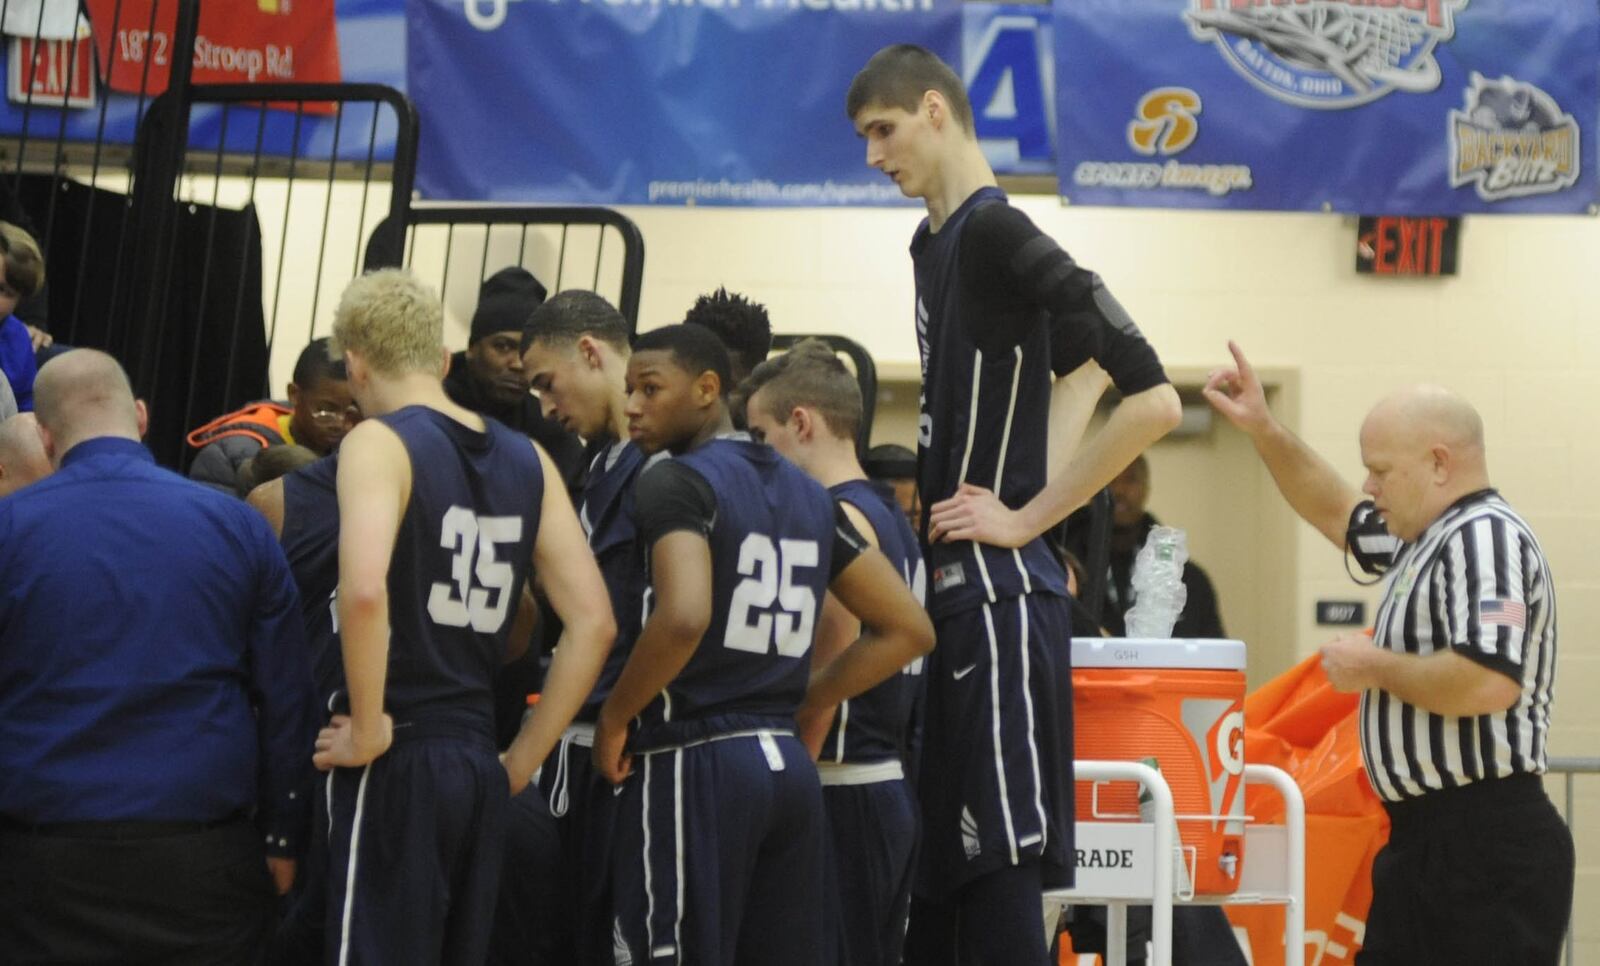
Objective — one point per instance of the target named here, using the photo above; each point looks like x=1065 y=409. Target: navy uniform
x=1000 y=310
x=310 y=540
x=721 y=848
x=417 y=834
x=871 y=806
x=525 y=915
x=578 y=796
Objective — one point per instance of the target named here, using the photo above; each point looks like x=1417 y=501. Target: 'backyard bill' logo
x=1512 y=140
x=1329 y=54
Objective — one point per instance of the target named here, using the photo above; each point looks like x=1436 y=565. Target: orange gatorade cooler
x=1181 y=703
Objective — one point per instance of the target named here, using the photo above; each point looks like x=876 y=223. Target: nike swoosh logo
x=958 y=675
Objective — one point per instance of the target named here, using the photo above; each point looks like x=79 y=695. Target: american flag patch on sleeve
x=1510 y=613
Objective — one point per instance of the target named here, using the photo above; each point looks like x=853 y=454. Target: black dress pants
x=134 y=893
x=1480 y=874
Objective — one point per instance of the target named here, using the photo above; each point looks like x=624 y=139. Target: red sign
x=1395 y=245
x=51 y=72
x=239 y=42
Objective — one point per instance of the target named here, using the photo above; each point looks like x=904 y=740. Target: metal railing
x=1568 y=769
x=299 y=228
x=462 y=244
x=182 y=222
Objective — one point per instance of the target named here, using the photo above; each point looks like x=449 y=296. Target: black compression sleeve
x=848 y=543
x=1006 y=261
x=670 y=497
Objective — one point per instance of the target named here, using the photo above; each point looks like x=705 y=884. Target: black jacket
x=226 y=442
x=564 y=448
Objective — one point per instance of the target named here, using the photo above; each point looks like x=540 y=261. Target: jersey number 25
x=768 y=569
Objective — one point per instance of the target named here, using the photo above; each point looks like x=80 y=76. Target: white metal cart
x=1122 y=866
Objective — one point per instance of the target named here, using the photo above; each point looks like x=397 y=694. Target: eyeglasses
x=337 y=418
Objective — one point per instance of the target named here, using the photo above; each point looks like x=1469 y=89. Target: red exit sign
x=51 y=73
x=1399 y=245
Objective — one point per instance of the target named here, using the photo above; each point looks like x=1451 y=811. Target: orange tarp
x=1299 y=723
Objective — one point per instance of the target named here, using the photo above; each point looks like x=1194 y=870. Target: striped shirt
x=1475 y=582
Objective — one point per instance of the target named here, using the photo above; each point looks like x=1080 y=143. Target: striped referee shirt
x=1476 y=582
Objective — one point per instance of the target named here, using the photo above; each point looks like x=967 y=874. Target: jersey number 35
x=481 y=591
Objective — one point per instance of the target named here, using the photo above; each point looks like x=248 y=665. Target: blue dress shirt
x=153 y=664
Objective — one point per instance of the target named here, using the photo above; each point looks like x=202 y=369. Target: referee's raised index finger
x=1245 y=371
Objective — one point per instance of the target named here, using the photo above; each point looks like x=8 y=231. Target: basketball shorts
x=415 y=852
x=720 y=856
x=995 y=776
x=583 y=807
x=873 y=828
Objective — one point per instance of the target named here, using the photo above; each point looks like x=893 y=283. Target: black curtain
x=202 y=350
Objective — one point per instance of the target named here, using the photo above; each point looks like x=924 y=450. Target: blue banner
x=1436 y=107
x=717 y=102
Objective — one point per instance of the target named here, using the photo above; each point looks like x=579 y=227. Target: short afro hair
x=742 y=325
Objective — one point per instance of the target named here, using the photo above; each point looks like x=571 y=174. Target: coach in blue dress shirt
x=156 y=710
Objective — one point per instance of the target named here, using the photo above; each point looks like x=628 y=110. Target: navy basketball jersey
x=772 y=534
x=982 y=421
x=311 y=542
x=460 y=561
x=605 y=509
x=874 y=726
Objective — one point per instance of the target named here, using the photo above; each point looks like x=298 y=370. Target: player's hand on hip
x=282 y=871
x=1236 y=393
x=1348 y=660
x=340 y=746
x=611 y=752
x=518 y=781
x=813 y=725
x=40 y=338
x=975 y=513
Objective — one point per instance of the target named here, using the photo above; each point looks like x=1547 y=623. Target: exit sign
x=51 y=73
x=1398 y=245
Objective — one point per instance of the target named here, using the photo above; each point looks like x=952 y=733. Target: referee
x=1456 y=679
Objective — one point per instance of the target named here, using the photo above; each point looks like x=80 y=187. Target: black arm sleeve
x=848 y=543
x=1008 y=263
x=670 y=497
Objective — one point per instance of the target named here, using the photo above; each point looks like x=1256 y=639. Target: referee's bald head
x=1432 y=414
x=84 y=394
x=1423 y=449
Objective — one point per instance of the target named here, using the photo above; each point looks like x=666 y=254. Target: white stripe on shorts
x=1033 y=744
x=350 y=872
x=994 y=713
